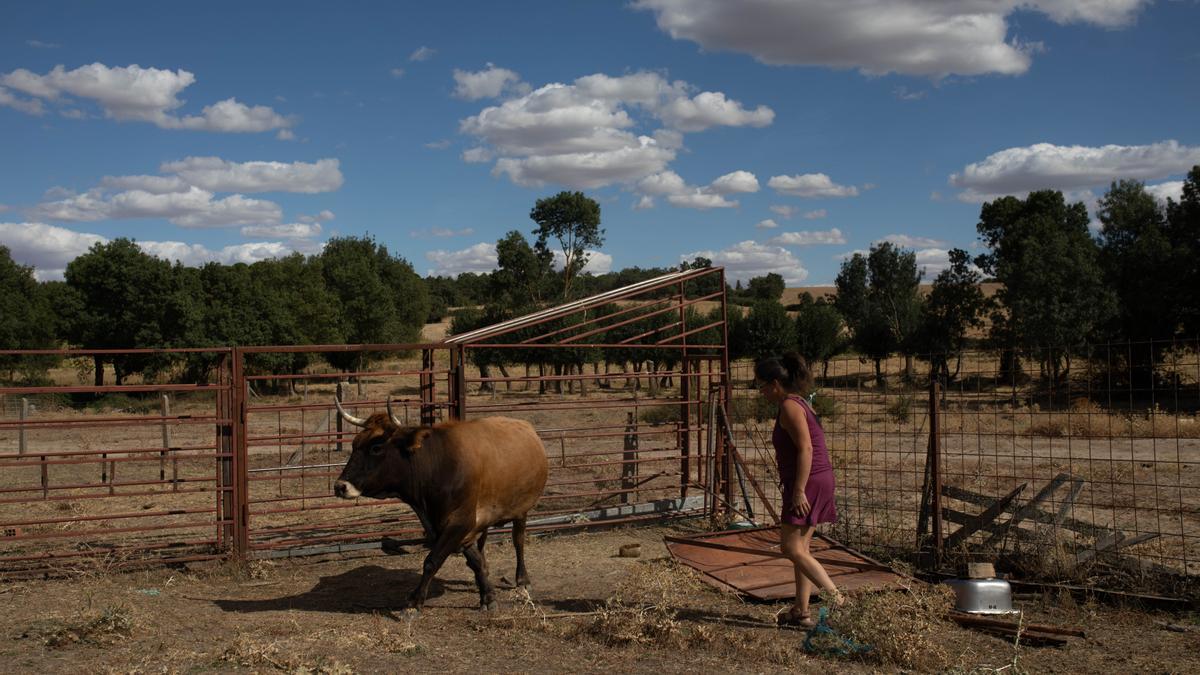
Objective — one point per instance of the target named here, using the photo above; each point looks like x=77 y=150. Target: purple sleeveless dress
x=819 y=488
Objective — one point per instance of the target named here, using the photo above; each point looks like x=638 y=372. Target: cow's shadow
x=365 y=589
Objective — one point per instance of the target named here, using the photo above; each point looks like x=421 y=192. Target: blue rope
x=844 y=647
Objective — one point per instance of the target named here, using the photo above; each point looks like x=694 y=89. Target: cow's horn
x=356 y=421
x=392 y=415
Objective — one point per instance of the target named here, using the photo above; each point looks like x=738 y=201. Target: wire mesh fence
x=1073 y=466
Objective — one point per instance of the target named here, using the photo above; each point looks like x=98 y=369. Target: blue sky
x=768 y=136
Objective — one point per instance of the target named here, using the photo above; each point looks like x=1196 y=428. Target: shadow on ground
x=365 y=589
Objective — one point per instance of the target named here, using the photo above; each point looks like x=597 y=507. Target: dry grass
x=904 y=629
x=112 y=624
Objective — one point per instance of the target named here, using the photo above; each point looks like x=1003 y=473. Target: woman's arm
x=794 y=421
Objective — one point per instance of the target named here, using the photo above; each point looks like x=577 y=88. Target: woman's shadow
x=365 y=589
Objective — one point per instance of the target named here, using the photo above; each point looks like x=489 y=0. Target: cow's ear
x=418 y=438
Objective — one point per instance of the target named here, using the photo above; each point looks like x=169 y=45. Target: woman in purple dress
x=805 y=473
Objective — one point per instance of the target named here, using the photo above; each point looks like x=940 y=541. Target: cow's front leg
x=449 y=540
x=518 y=534
x=477 y=561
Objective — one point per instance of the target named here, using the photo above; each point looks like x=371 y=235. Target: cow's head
x=380 y=455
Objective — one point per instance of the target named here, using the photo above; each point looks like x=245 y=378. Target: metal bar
x=24 y=415
x=935 y=450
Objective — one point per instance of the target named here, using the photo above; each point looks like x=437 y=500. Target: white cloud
x=579 y=135
x=38 y=44
x=815 y=214
x=749 y=259
x=476 y=155
x=1017 y=171
x=438 y=145
x=158 y=185
x=784 y=210
x=442 y=232
x=29 y=106
x=598 y=262
x=738 y=181
x=1171 y=189
x=133 y=93
x=478 y=258
x=45 y=247
x=49 y=248
x=192 y=208
x=809 y=238
x=322 y=217
x=285 y=135
x=909 y=241
x=422 y=53
x=221 y=175
x=282 y=231
x=487 y=83
x=700 y=200
x=767 y=224
x=644 y=202
x=931 y=261
x=810 y=185
x=914 y=37
x=397 y=72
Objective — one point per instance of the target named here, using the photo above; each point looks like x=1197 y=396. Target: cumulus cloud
x=157 y=185
x=766 y=224
x=282 y=231
x=749 y=259
x=712 y=196
x=913 y=37
x=810 y=185
x=478 y=258
x=784 y=210
x=133 y=93
x=487 y=83
x=1017 y=171
x=909 y=241
x=580 y=134
x=597 y=262
x=815 y=214
x=29 y=106
x=222 y=175
x=38 y=44
x=322 y=217
x=397 y=72
x=809 y=238
x=1169 y=190
x=48 y=248
x=191 y=208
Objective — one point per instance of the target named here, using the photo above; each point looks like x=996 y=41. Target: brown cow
x=459 y=477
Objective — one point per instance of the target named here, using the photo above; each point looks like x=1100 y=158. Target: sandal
x=793 y=619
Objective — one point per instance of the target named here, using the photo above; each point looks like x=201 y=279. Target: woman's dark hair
x=790 y=370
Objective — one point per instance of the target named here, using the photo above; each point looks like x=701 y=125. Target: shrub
x=900 y=409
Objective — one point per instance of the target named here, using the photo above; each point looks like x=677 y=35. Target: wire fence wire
x=1079 y=466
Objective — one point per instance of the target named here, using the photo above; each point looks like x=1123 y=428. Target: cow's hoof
x=488 y=606
x=523 y=582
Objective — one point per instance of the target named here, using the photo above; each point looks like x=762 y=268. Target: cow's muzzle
x=345 y=490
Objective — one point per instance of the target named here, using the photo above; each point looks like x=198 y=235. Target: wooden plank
x=983 y=519
x=1108 y=545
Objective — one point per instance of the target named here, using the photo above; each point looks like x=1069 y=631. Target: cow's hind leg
x=518 y=533
x=448 y=540
x=477 y=561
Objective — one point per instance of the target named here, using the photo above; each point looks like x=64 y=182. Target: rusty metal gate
x=234 y=450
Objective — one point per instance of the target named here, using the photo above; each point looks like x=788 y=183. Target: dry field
x=590 y=611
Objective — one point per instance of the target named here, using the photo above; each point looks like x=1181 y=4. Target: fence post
x=166 y=444
x=629 y=467
x=21 y=434
x=338 y=418
x=935 y=454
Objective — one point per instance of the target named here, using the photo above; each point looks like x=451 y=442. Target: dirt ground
x=334 y=615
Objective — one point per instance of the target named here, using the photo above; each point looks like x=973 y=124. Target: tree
x=769 y=287
x=379 y=298
x=1183 y=231
x=1053 y=293
x=956 y=304
x=522 y=273
x=573 y=219
x=819 y=331
x=130 y=299
x=26 y=318
x=765 y=331
x=877 y=295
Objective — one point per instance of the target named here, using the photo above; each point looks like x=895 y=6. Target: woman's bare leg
x=808 y=570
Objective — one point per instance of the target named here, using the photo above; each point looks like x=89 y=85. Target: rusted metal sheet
x=750 y=562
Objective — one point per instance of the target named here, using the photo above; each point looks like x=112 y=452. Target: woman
x=806 y=474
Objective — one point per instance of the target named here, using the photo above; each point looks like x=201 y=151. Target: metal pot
x=982 y=596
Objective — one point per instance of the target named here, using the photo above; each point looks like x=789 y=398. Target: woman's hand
x=802 y=506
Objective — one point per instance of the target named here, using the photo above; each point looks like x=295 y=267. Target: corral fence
x=1069 y=467
x=210 y=453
